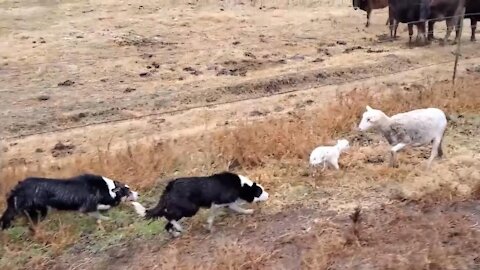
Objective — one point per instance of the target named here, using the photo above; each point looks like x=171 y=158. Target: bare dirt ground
x=84 y=73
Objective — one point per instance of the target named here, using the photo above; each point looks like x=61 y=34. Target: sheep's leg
x=393 y=152
x=440 y=150
x=436 y=144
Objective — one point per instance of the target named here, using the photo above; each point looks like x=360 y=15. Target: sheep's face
x=343 y=144
x=371 y=118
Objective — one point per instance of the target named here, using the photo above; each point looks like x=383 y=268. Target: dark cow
x=411 y=12
x=448 y=10
x=368 y=6
x=472 y=11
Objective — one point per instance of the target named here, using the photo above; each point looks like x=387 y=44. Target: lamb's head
x=372 y=118
x=343 y=144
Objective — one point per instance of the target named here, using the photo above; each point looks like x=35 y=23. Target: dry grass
x=228 y=256
x=285 y=142
x=248 y=144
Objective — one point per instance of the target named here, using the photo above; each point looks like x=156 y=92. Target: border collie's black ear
x=118 y=186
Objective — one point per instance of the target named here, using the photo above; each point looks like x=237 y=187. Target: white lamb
x=413 y=128
x=328 y=155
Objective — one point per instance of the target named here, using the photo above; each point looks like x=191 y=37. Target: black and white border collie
x=86 y=193
x=183 y=197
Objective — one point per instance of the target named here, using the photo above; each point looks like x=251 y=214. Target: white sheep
x=328 y=155
x=413 y=128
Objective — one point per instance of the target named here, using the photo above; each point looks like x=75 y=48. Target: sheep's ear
x=368 y=108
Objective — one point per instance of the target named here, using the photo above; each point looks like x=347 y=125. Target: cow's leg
x=431 y=36
x=450 y=25
x=395 y=29
x=473 y=23
x=423 y=34
x=392 y=24
x=369 y=11
x=410 y=33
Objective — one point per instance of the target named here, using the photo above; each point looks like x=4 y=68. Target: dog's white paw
x=174 y=233
x=248 y=211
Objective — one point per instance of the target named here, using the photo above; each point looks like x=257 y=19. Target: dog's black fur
x=83 y=193
x=183 y=197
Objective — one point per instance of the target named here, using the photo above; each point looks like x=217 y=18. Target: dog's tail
x=139 y=209
x=159 y=210
x=156 y=212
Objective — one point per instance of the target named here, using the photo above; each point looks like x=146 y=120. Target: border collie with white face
x=85 y=193
x=183 y=197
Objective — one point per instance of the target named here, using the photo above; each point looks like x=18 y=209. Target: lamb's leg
x=334 y=163
x=235 y=207
x=393 y=152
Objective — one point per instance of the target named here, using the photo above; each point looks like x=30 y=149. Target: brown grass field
x=256 y=86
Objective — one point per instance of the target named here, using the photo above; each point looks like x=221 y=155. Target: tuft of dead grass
x=326 y=242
